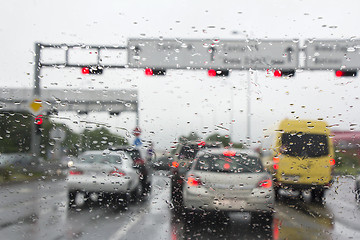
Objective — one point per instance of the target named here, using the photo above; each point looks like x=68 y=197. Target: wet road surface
x=39 y=210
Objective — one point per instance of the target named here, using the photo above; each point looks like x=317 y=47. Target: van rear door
x=304 y=158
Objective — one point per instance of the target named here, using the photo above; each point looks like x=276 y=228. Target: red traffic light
x=284 y=73
x=153 y=71
x=218 y=73
x=339 y=73
x=39 y=120
x=85 y=70
x=149 y=72
x=277 y=73
x=92 y=70
x=211 y=72
x=345 y=73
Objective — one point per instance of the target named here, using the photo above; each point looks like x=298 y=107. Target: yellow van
x=300 y=155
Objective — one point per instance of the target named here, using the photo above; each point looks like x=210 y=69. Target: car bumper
x=300 y=186
x=231 y=203
x=81 y=183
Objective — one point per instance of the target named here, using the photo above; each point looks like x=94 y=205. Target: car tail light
x=175 y=164
x=229 y=153
x=75 y=172
x=117 y=173
x=332 y=162
x=193 y=182
x=276 y=166
x=276 y=159
x=139 y=161
x=265 y=183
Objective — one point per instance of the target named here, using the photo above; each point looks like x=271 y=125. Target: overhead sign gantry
x=217 y=56
x=213 y=54
x=332 y=54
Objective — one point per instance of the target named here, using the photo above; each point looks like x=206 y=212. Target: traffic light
x=155 y=71
x=284 y=73
x=92 y=70
x=38 y=122
x=218 y=73
x=345 y=73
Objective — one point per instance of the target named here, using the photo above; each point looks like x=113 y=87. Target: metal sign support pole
x=137 y=114
x=35 y=138
x=231 y=128
x=248 y=120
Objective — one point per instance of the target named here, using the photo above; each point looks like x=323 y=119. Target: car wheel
x=120 y=202
x=261 y=219
x=176 y=192
x=277 y=194
x=357 y=195
x=138 y=194
x=71 y=199
x=77 y=199
x=147 y=188
x=317 y=195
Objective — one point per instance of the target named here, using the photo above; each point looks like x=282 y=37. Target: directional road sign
x=332 y=54
x=216 y=54
x=35 y=106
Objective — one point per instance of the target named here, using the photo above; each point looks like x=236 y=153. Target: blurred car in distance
x=162 y=162
x=300 y=155
x=139 y=162
x=357 y=189
x=229 y=180
x=107 y=175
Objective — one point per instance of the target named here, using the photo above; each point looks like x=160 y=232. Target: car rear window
x=188 y=151
x=134 y=153
x=232 y=164
x=304 y=145
x=99 y=158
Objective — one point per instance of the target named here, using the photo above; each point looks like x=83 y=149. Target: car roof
x=220 y=151
x=100 y=152
x=124 y=148
x=198 y=142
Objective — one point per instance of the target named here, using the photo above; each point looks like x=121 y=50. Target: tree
x=15 y=132
x=101 y=139
x=224 y=139
x=193 y=136
x=216 y=137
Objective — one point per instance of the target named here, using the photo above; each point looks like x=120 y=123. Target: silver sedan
x=225 y=180
x=107 y=175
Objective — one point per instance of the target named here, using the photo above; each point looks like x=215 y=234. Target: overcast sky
x=185 y=101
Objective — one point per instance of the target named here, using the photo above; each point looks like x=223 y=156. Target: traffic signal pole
x=35 y=137
x=95 y=69
x=248 y=108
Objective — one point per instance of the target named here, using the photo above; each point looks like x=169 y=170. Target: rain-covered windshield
x=153 y=85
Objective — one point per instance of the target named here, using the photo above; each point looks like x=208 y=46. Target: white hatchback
x=226 y=180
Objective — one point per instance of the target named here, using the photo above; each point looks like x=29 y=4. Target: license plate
x=291 y=178
x=230 y=202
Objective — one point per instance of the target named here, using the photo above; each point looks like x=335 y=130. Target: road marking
x=122 y=231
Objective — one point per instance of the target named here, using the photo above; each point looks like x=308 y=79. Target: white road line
x=122 y=231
